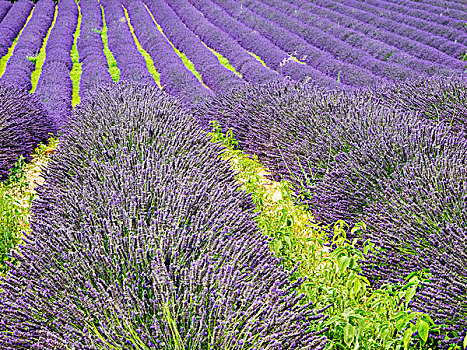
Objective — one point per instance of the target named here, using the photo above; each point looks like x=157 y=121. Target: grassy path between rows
x=75 y=74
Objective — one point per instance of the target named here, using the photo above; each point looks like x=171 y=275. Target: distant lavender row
x=175 y=78
x=378 y=49
x=54 y=87
x=420 y=18
x=288 y=42
x=213 y=73
x=122 y=45
x=4 y=8
x=350 y=8
x=91 y=48
x=330 y=44
x=450 y=8
x=342 y=16
x=424 y=23
x=252 y=71
x=12 y=23
x=20 y=67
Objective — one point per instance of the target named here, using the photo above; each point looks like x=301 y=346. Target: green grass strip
x=258 y=58
x=75 y=73
x=4 y=60
x=186 y=60
x=40 y=58
x=149 y=62
x=224 y=61
x=113 y=69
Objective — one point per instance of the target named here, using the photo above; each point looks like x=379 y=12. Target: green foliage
x=113 y=69
x=75 y=73
x=224 y=61
x=358 y=316
x=147 y=57
x=40 y=58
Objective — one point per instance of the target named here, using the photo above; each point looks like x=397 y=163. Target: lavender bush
x=141 y=239
x=23 y=125
x=351 y=157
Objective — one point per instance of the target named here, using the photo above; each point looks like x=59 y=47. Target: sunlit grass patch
x=112 y=63
x=76 y=71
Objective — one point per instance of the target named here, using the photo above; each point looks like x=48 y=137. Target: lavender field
x=142 y=236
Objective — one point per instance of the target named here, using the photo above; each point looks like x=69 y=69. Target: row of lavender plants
x=141 y=239
x=13 y=22
x=393 y=158
x=21 y=64
x=55 y=87
x=91 y=48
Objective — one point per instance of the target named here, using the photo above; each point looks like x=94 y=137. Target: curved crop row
x=420 y=18
x=378 y=49
x=129 y=60
x=231 y=17
x=12 y=23
x=4 y=8
x=214 y=74
x=23 y=125
x=20 y=66
x=408 y=188
x=91 y=48
x=142 y=239
x=327 y=43
x=55 y=88
x=175 y=78
x=387 y=32
x=451 y=8
x=251 y=70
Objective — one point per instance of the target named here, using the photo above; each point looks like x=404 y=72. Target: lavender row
x=54 y=87
x=129 y=60
x=378 y=49
x=328 y=43
x=343 y=17
x=23 y=125
x=396 y=25
x=175 y=78
x=12 y=23
x=423 y=17
x=292 y=68
x=4 y=8
x=290 y=43
x=138 y=224
x=252 y=71
x=277 y=58
x=214 y=74
x=450 y=8
x=19 y=67
x=421 y=22
x=91 y=48
x=407 y=188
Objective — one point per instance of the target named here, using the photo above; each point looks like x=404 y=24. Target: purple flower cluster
x=378 y=49
x=129 y=60
x=275 y=45
x=90 y=47
x=175 y=78
x=214 y=74
x=23 y=125
x=140 y=233
x=453 y=9
x=252 y=71
x=354 y=158
x=12 y=23
x=4 y=8
x=19 y=67
x=347 y=16
x=55 y=88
